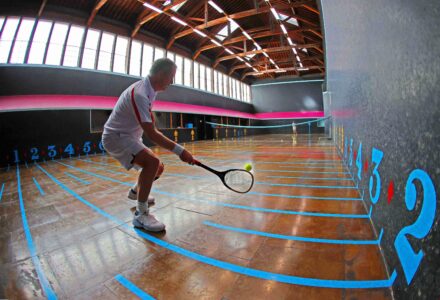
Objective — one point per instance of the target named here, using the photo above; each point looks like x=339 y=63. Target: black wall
x=283 y=95
x=22 y=131
x=287 y=96
x=383 y=73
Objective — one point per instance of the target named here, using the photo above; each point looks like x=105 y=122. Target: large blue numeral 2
x=408 y=258
x=35 y=155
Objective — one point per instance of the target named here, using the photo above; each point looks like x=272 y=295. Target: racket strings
x=239 y=180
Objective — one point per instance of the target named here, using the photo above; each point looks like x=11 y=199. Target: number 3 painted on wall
x=376 y=157
x=408 y=258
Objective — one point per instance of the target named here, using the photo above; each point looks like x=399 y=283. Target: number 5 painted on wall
x=408 y=258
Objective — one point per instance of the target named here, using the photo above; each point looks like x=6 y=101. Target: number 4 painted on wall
x=359 y=161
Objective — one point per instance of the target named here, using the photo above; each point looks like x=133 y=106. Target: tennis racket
x=237 y=180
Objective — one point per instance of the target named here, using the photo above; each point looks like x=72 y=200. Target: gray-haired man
x=122 y=138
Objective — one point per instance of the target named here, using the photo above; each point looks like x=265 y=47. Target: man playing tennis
x=122 y=138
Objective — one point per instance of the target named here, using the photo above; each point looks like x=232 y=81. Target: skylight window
x=290 y=20
x=222 y=34
x=177 y=7
x=249 y=56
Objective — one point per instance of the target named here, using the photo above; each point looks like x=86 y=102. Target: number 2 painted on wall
x=408 y=258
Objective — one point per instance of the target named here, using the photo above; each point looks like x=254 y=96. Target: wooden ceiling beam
x=242 y=38
x=194 y=9
x=260 y=63
x=96 y=8
x=268 y=50
x=42 y=6
x=277 y=70
x=236 y=16
x=145 y=17
x=312 y=9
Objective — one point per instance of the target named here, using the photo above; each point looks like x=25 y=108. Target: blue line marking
x=314 y=282
x=312 y=167
x=258 y=209
x=303 y=197
x=308 y=172
x=1 y=192
x=312 y=178
x=38 y=186
x=165 y=173
x=292 y=237
x=76 y=178
x=34 y=255
x=133 y=288
x=307 y=185
x=323 y=162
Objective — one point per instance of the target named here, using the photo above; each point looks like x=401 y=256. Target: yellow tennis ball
x=248 y=167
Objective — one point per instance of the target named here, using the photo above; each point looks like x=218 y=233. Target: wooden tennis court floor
x=303 y=232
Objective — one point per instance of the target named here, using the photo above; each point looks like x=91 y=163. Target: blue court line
x=308 y=185
x=313 y=167
x=76 y=178
x=50 y=294
x=314 y=282
x=309 y=172
x=1 y=192
x=296 y=238
x=244 y=207
x=299 y=163
x=165 y=173
x=38 y=186
x=312 y=178
x=304 y=197
x=133 y=288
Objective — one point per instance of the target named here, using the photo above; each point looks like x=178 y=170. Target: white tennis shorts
x=123 y=147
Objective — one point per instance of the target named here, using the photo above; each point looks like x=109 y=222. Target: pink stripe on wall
x=39 y=102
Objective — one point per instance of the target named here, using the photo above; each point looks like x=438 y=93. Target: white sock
x=142 y=207
x=135 y=188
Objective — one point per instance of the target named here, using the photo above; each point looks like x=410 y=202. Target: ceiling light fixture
x=179 y=21
x=283 y=28
x=215 y=42
x=215 y=6
x=274 y=12
x=153 y=7
x=199 y=32
x=247 y=35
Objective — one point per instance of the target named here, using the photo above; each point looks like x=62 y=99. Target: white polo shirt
x=125 y=118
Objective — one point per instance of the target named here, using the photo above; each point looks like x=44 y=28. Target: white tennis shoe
x=133 y=196
x=148 y=222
